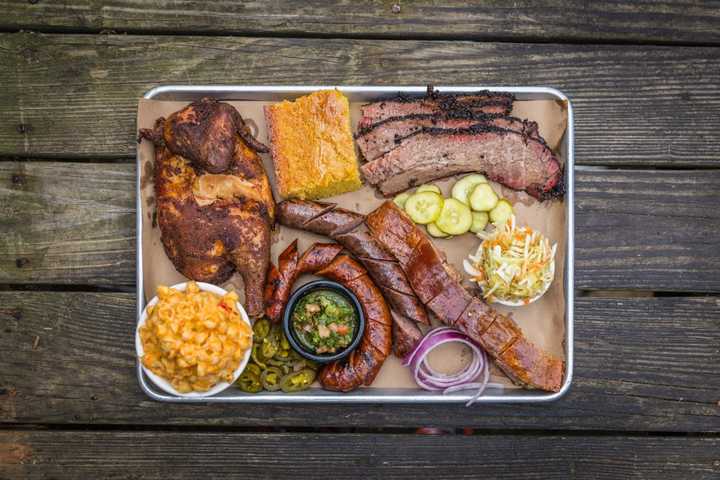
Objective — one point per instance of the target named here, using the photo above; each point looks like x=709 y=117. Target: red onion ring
x=430 y=379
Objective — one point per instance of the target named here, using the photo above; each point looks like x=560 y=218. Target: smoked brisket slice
x=505 y=156
x=383 y=136
x=435 y=102
x=434 y=281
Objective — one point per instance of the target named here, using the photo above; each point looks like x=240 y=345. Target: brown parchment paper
x=542 y=321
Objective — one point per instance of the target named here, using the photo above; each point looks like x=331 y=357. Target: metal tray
x=360 y=94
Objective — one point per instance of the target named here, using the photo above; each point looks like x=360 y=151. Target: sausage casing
x=325 y=260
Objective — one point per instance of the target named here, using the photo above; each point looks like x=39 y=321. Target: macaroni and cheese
x=194 y=339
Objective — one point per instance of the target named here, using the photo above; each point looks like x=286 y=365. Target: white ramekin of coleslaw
x=513 y=265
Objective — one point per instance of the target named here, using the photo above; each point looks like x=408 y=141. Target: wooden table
x=645 y=81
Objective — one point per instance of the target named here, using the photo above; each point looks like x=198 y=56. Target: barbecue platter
x=430 y=220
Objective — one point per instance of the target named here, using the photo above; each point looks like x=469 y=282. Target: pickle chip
x=462 y=188
x=483 y=198
x=424 y=207
x=501 y=213
x=435 y=231
x=429 y=187
x=479 y=221
x=455 y=217
x=401 y=199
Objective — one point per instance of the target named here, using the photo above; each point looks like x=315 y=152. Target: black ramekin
x=295 y=342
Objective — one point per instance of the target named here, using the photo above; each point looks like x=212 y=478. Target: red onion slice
x=430 y=379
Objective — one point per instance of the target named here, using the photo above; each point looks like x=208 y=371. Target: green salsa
x=324 y=321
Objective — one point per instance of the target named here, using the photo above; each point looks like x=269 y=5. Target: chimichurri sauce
x=324 y=321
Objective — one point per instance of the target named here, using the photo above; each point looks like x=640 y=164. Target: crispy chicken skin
x=206 y=132
x=208 y=242
x=214 y=202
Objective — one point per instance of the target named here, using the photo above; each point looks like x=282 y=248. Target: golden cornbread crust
x=312 y=146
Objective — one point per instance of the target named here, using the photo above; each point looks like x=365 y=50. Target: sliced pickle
x=462 y=188
x=501 y=213
x=483 y=198
x=424 y=207
x=435 y=231
x=429 y=187
x=455 y=218
x=479 y=221
x=401 y=199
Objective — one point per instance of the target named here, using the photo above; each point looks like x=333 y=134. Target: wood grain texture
x=74 y=223
x=76 y=95
x=192 y=455
x=653 y=230
x=548 y=20
x=68 y=223
x=641 y=364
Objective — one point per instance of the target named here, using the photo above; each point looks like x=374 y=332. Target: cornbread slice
x=312 y=146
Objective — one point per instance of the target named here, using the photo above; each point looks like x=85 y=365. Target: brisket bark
x=381 y=137
x=435 y=102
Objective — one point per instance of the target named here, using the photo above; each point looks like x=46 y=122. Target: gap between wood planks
x=16 y=158
x=131 y=159
x=402 y=36
x=39 y=287
x=351 y=430
x=600 y=293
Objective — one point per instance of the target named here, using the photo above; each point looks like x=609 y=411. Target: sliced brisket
x=383 y=136
x=505 y=156
x=434 y=102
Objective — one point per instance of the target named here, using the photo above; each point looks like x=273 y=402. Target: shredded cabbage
x=512 y=264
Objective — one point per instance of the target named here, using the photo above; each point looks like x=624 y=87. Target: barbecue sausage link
x=291 y=266
x=406 y=335
x=365 y=362
x=437 y=286
x=280 y=282
x=343 y=226
x=325 y=260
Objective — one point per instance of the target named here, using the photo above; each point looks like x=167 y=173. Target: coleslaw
x=513 y=265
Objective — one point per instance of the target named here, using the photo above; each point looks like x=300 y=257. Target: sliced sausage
x=344 y=226
x=406 y=335
x=363 y=364
x=439 y=288
x=282 y=282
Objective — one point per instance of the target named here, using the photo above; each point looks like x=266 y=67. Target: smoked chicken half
x=205 y=132
x=213 y=224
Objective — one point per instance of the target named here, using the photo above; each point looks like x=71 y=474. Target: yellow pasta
x=194 y=339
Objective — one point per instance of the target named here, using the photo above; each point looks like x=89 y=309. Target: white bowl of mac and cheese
x=193 y=339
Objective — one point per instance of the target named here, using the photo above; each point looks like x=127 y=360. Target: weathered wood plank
x=548 y=20
x=653 y=230
x=161 y=455
x=641 y=364
x=67 y=223
x=76 y=95
x=74 y=223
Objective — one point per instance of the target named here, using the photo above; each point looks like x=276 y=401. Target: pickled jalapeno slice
x=261 y=329
x=249 y=382
x=270 y=378
x=297 y=381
